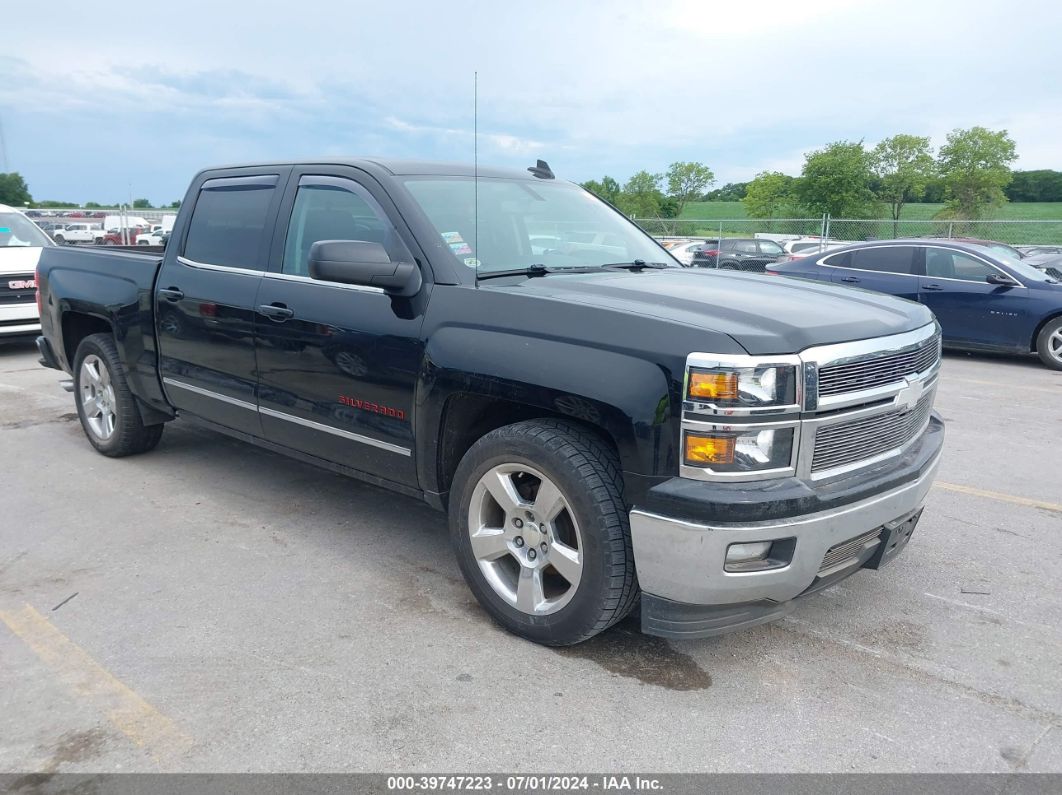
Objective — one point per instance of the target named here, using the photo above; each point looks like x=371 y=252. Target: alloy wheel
x=98 y=402
x=525 y=539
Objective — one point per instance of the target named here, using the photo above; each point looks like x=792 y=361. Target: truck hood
x=763 y=314
x=19 y=259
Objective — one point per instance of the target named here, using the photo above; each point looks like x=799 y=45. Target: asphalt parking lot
x=233 y=610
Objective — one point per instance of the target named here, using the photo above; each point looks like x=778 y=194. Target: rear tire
x=567 y=549
x=105 y=404
x=1049 y=344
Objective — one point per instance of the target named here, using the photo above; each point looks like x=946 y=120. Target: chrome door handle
x=171 y=293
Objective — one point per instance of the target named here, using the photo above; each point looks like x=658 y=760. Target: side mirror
x=364 y=263
x=1000 y=279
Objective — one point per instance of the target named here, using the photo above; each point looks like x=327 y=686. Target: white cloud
x=592 y=87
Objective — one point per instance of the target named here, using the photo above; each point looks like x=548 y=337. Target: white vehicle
x=78 y=233
x=804 y=247
x=683 y=252
x=134 y=223
x=152 y=238
x=21 y=242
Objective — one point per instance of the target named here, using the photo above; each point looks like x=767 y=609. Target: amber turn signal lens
x=713 y=386
x=709 y=449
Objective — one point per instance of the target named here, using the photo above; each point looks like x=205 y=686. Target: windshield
x=18 y=230
x=1023 y=269
x=524 y=223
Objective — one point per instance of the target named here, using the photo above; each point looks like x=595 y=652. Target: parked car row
x=983 y=297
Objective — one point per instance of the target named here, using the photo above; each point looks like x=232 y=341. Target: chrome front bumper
x=683 y=562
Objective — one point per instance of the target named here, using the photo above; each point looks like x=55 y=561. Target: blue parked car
x=983 y=299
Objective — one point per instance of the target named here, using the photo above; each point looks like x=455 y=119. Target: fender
x=122 y=303
x=630 y=399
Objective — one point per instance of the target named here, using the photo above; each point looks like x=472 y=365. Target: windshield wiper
x=531 y=270
x=541 y=270
x=635 y=265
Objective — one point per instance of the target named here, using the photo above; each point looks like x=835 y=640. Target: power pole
x=3 y=149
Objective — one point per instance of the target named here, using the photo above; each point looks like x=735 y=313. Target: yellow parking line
x=1005 y=385
x=132 y=715
x=996 y=495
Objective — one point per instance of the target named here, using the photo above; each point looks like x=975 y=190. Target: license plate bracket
x=895 y=536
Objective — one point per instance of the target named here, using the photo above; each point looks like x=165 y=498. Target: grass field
x=1023 y=211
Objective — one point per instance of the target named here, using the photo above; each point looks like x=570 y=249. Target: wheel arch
x=626 y=400
x=1054 y=315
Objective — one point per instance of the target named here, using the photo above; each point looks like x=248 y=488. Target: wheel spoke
x=105 y=377
x=490 y=543
x=89 y=369
x=108 y=423
x=503 y=490
x=529 y=592
x=567 y=561
x=549 y=501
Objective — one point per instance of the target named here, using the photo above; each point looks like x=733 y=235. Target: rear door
x=884 y=269
x=205 y=300
x=971 y=310
x=338 y=363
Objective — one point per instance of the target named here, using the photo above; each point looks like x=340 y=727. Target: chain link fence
x=841 y=230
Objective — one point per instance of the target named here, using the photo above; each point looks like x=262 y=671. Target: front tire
x=1049 y=344
x=541 y=533
x=105 y=404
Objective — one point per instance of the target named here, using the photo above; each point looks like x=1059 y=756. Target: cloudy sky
x=95 y=98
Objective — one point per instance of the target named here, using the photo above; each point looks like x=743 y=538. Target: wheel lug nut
x=544 y=547
x=531 y=554
x=530 y=516
x=519 y=541
x=518 y=522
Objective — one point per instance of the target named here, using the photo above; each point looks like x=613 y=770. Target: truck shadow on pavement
x=432 y=584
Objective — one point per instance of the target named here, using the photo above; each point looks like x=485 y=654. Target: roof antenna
x=475 y=168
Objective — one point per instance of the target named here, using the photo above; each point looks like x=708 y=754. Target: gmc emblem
x=22 y=284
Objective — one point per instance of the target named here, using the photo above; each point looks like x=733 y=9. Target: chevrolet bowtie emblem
x=908 y=397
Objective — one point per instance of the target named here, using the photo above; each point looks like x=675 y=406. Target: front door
x=205 y=299
x=971 y=310
x=338 y=363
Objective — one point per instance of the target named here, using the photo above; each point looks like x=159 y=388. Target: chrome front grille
x=880 y=370
x=849 y=550
x=856 y=441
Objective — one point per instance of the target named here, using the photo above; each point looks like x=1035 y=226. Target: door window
x=330 y=208
x=770 y=248
x=745 y=247
x=228 y=224
x=943 y=264
x=887 y=259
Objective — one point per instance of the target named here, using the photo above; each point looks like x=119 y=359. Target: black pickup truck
x=605 y=428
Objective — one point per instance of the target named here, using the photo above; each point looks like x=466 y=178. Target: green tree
x=903 y=166
x=974 y=166
x=141 y=204
x=686 y=181
x=93 y=205
x=836 y=180
x=13 y=190
x=177 y=203
x=641 y=196
x=1042 y=185
x=769 y=195
x=730 y=192
x=607 y=189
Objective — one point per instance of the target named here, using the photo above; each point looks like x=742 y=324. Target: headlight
x=739 y=451
x=743 y=387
